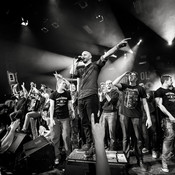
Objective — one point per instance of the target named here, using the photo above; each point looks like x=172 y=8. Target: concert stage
x=78 y=165
x=153 y=166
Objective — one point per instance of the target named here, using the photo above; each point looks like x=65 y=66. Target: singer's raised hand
x=57 y=76
x=79 y=58
x=123 y=43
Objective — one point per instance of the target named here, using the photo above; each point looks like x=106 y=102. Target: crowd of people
x=85 y=115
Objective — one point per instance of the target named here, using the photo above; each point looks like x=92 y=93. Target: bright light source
x=125 y=55
x=100 y=18
x=170 y=43
x=130 y=51
x=24 y=22
x=139 y=42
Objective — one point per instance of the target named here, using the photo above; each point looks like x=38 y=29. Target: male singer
x=88 y=101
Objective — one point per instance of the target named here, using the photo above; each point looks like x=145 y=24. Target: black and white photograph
x=87 y=87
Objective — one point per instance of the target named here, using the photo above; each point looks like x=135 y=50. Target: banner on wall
x=12 y=79
x=147 y=75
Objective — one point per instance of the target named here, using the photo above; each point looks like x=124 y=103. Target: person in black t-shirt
x=60 y=104
x=165 y=100
x=134 y=97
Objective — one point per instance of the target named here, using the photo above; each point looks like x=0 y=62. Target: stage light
x=130 y=51
x=125 y=56
x=24 y=22
x=159 y=19
x=44 y=29
x=139 y=42
x=55 y=25
x=100 y=18
x=82 y=4
x=170 y=43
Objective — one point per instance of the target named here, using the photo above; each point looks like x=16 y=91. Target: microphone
x=79 y=58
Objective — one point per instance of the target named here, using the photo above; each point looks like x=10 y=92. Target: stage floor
x=153 y=166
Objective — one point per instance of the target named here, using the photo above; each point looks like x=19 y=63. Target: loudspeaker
x=15 y=151
x=39 y=156
x=18 y=141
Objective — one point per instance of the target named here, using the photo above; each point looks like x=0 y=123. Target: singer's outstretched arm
x=114 y=49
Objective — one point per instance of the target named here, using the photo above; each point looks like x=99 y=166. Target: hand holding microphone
x=79 y=58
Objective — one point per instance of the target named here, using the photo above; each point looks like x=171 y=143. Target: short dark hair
x=164 y=78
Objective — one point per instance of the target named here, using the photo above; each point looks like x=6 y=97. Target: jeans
x=32 y=114
x=61 y=126
x=111 y=119
x=150 y=135
x=87 y=106
x=169 y=135
x=130 y=125
x=34 y=129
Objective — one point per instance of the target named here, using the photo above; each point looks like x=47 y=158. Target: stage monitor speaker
x=18 y=141
x=39 y=155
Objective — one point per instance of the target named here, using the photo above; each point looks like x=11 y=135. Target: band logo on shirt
x=170 y=96
x=131 y=98
x=61 y=101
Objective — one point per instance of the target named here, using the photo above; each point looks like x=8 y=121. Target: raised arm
x=116 y=82
x=24 y=90
x=114 y=49
x=14 y=90
x=8 y=138
x=98 y=131
x=59 y=78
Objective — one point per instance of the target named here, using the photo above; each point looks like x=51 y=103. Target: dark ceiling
x=66 y=15
x=54 y=21
x=67 y=27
